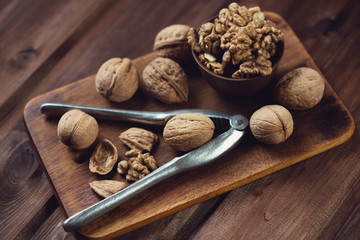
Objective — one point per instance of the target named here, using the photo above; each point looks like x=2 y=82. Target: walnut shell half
x=117 y=79
x=271 y=124
x=165 y=80
x=77 y=129
x=139 y=139
x=103 y=158
x=300 y=89
x=187 y=131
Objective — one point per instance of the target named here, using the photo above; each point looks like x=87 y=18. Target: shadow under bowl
x=240 y=86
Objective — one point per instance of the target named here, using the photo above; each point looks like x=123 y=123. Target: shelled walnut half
x=137 y=166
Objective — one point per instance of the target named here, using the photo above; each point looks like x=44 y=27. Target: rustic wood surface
x=44 y=46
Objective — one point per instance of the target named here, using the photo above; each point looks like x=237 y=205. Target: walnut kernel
x=300 y=89
x=271 y=124
x=117 y=79
x=103 y=158
x=187 y=131
x=77 y=129
x=165 y=80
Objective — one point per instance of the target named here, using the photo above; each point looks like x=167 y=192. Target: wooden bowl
x=240 y=86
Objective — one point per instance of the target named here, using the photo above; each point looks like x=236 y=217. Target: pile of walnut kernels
x=238 y=37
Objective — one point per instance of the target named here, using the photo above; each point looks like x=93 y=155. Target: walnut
x=139 y=139
x=103 y=158
x=300 y=89
x=165 y=80
x=187 y=131
x=210 y=62
x=259 y=66
x=171 y=42
x=77 y=129
x=106 y=188
x=117 y=79
x=137 y=166
x=238 y=36
x=271 y=124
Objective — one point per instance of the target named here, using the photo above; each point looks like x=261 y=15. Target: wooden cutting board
x=315 y=130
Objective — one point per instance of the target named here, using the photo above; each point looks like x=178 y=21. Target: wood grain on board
x=316 y=130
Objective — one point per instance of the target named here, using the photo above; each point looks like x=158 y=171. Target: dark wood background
x=47 y=44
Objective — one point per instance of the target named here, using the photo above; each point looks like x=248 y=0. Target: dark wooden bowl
x=240 y=86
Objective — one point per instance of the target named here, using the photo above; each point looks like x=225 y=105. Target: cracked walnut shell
x=117 y=79
x=103 y=158
x=139 y=139
x=77 y=129
x=106 y=188
x=271 y=124
x=187 y=131
x=300 y=89
x=171 y=42
x=165 y=80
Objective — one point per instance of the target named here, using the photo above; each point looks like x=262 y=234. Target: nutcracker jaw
x=209 y=152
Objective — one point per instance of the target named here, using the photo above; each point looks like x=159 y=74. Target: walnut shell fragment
x=271 y=124
x=106 y=188
x=187 y=131
x=103 y=158
x=117 y=79
x=165 y=80
x=171 y=42
x=300 y=89
x=77 y=129
x=139 y=139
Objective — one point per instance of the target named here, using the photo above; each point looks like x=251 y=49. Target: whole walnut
x=117 y=79
x=171 y=42
x=165 y=80
x=300 y=89
x=77 y=129
x=271 y=124
x=187 y=131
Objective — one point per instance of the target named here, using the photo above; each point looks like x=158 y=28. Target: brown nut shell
x=103 y=158
x=165 y=80
x=171 y=42
x=271 y=124
x=117 y=79
x=139 y=139
x=77 y=129
x=187 y=131
x=300 y=89
x=106 y=188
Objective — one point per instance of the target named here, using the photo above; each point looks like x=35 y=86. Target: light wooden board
x=316 y=130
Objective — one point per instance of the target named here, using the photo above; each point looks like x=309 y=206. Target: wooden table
x=46 y=45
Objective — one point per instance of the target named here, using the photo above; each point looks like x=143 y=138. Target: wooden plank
x=256 y=160
x=30 y=32
x=24 y=187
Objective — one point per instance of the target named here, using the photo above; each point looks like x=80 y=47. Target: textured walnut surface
x=77 y=129
x=187 y=131
x=171 y=42
x=300 y=89
x=139 y=139
x=165 y=80
x=117 y=79
x=271 y=124
x=106 y=188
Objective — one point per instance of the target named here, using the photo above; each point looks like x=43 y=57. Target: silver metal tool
x=214 y=149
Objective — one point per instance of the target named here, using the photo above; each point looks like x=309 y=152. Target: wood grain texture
x=329 y=30
x=325 y=126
